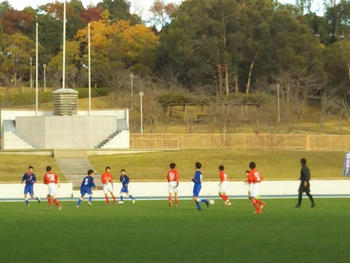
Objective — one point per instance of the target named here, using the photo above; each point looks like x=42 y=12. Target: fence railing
x=239 y=141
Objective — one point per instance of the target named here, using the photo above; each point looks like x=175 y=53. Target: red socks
x=114 y=200
x=107 y=200
x=49 y=201
x=56 y=202
x=176 y=201
x=256 y=205
x=224 y=197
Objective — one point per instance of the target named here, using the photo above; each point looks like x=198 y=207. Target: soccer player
x=106 y=179
x=124 y=179
x=85 y=188
x=173 y=183
x=254 y=180
x=30 y=179
x=304 y=184
x=197 y=180
x=223 y=185
x=51 y=179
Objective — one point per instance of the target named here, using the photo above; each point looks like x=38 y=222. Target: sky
x=140 y=7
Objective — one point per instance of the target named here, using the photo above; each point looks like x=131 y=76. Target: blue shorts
x=124 y=189
x=85 y=191
x=196 y=190
x=29 y=189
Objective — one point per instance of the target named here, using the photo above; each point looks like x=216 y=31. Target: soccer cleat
x=258 y=212
x=134 y=201
x=89 y=204
x=60 y=208
x=207 y=203
x=227 y=203
x=121 y=202
x=28 y=204
x=170 y=204
x=262 y=205
x=77 y=206
x=313 y=205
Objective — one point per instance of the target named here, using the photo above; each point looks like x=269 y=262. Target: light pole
x=132 y=90
x=141 y=110
x=37 y=69
x=89 y=62
x=44 y=77
x=64 y=46
x=31 y=73
x=278 y=103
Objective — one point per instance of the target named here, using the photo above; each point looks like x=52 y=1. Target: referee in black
x=304 y=184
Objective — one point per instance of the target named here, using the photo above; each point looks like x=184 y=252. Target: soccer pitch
x=150 y=231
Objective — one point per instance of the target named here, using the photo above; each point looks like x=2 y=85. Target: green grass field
x=13 y=167
x=272 y=163
x=150 y=231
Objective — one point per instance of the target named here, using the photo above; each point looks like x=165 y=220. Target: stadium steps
x=73 y=164
x=108 y=139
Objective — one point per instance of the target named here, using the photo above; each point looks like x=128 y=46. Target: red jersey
x=50 y=177
x=223 y=176
x=254 y=177
x=173 y=176
x=106 y=178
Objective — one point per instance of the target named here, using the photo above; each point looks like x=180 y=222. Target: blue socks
x=27 y=202
x=204 y=200
x=131 y=197
x=198 y=206
x=79 y=202
x=121 y=198
x=90 y=198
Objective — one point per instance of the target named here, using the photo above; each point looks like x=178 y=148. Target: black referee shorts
x=304 y=189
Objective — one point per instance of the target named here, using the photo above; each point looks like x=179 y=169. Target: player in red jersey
x=254 y=180
x=51 y=179
x=223 y=185
x=106 y=179
x=173 y=183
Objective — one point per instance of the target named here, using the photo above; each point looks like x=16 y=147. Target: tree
x=161 y=13
x=91 y=14
x=16 y=50
x=4 y=7
x=338 y=18
x=118 y=9
x=73 y=65
x=14 y=21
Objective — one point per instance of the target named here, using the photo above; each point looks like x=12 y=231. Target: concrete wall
x=149 y=190
x=65 y=132
x=23 y=129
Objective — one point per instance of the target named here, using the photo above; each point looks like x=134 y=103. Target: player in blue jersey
x=85 y=188
x=124 y=179
x=29 y=179
x=197 y=179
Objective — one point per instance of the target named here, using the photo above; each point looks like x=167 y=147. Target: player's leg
x=170 y=201
x=176 y=198
x=26 y=199
x=130 y=196
x=105 y=191
x=195 y=199
x=90 y=200
x=253 y=195
x=54 y=199
x=300 y=197
x=110 y=190
x=114 y=198
x=310 y=197
x=81 y=198
x=121 y=197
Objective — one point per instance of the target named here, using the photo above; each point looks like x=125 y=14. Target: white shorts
x=107 y=188
x=51 y=189
x=172 y=187
x=223 y=187
x=254 y=190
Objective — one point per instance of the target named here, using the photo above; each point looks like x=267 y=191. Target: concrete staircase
x=107 y=140
x=74 y=165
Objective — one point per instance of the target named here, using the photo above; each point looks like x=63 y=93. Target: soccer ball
x=211 y=202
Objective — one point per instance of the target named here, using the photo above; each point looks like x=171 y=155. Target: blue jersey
x=29 y=179
x=197 y=178
x=124 y=179
x=87 y=182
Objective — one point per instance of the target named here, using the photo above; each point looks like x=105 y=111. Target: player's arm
x=177 y=178
x=23 y=178
x=34 y=179
x=93 y=183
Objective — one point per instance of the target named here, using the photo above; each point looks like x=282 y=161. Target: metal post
x=89 y=58
x=141 y=110
x=278 y=103
x=31 y=73
x=44 y=77
x=37 y=71
x=64 y=46
x=131 y=90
